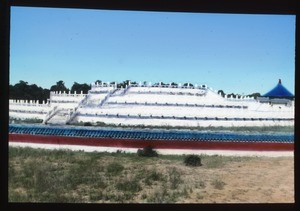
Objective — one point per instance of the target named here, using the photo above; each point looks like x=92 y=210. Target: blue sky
x=236 y=53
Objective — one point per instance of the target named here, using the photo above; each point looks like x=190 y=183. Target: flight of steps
x=61 y=117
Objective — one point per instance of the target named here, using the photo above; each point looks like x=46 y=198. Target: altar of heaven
x=158 y=105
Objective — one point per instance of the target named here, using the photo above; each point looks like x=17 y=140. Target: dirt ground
x=124 y=178
x=251 y=180
x=265 y=180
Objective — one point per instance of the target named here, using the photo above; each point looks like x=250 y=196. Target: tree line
x=24 y=91
x=221 y=92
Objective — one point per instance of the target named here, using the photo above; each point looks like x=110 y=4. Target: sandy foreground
x=266 y=180
x=259 y=179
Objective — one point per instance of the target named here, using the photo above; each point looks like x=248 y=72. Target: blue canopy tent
x=279 y=91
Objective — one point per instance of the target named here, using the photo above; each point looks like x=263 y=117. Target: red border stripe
x=158 y=144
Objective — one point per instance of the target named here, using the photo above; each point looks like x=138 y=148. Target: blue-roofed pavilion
x=279 y=91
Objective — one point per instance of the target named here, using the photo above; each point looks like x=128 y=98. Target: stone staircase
x=125 y=90
x=61 y=117
x=50 y=114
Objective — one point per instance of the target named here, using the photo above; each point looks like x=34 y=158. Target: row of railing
x=65 y=101
x=177 y=104
x=27 y=111
x=29 y=103
x=168 y=93
x=150 y=85
x=60 y=93
x=139 y=116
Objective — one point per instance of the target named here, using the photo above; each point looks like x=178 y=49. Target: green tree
x=186 y=84
x=24 y=91
x=60 y=86
x=98 y=81
x=255 y=95
x=231 y=95
x=80 y=87
x=221 y=92
x=126 y=82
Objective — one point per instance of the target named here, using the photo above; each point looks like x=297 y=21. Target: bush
x=114 y=169
x=218 y=184
x=153 y=176
x=192 y=160
x=129 y=186
x=87 y=124
x=175 y=178
x=147 y=152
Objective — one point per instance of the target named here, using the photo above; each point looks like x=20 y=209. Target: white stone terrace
x=141 y=103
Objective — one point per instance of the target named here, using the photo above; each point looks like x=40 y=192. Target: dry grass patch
x=37 y=175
